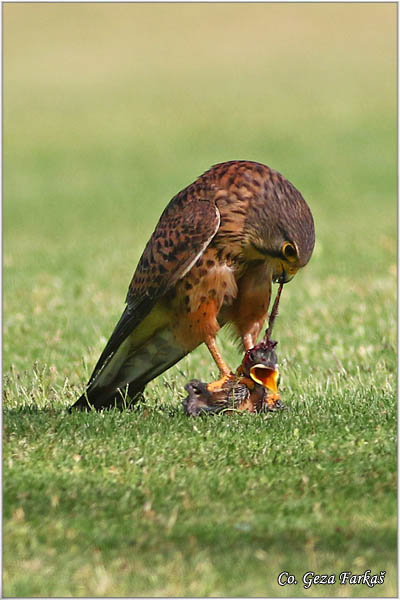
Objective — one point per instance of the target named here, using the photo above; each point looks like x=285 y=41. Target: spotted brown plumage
x=211 y=260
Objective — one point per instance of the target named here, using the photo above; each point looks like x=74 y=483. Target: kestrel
x=211 y=260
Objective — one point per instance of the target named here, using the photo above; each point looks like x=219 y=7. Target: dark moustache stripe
x=271 y=253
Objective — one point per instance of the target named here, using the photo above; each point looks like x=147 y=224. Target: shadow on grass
x=140 y=409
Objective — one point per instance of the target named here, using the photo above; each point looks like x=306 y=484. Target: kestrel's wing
x=183 y=232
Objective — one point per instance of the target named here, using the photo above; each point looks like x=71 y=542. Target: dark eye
x=289 y=251
x=251 y=356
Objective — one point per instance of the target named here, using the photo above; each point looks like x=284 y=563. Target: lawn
x=109 y=110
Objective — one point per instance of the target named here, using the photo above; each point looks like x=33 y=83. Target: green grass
x=109 y=110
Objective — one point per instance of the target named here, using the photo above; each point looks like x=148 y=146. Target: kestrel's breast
x=249 y=309
x=199 y=296
x=201 y=299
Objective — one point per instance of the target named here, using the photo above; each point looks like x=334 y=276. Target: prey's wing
x=183 y=232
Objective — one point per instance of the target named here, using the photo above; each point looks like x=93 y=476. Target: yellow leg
x=221 y=364
x=225 y=371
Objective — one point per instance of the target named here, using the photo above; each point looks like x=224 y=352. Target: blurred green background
x=109 y=110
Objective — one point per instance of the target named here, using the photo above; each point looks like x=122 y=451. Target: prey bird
x=254 y=388
x=211 y=260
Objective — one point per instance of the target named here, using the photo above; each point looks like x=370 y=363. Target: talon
x=217 y=385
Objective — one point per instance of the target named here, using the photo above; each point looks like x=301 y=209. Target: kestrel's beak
x=266 y=376
x=286 y=275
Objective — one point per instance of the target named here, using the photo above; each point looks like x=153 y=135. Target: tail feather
x=123 y=379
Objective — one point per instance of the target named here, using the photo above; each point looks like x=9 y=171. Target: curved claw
x=219 y=384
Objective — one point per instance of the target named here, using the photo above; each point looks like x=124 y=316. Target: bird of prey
x=211 y=260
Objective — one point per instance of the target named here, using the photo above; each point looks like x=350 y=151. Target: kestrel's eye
x=289 y=251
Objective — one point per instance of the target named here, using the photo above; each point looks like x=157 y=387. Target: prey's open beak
x=266 y=376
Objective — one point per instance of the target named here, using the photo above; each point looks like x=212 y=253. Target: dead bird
x=253 y=388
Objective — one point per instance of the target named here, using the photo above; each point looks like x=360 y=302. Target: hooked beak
x=266 y=376
x=284 y=277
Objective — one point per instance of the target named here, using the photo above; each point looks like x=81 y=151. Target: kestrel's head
x=280 y=228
